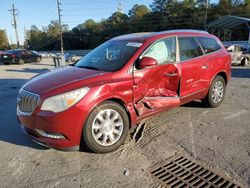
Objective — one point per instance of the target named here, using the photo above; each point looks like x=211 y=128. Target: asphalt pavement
x=218 y=138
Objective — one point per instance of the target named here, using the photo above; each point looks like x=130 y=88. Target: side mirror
x=147 y=62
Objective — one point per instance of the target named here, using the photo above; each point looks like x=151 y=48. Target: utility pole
x=25 y=42
x=24 y=31
x=10 y=42
x=205 y=19
x=14 y=22
x=60 y=23
x=120 y=8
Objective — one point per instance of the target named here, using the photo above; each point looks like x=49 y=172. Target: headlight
x=63 y=101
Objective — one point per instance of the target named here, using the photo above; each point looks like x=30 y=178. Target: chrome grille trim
x=27 y=102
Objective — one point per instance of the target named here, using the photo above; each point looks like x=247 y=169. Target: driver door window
x=164 y=51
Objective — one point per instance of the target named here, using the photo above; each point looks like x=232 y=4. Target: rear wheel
x=20 y=61
x=106 y=128
x=244 y=62
x=216 y=92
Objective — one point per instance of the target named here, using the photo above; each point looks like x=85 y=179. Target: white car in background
x=240 y=55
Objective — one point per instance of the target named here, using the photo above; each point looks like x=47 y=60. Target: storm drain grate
x=179 y=171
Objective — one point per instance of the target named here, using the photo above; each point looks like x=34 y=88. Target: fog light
x=50 y=135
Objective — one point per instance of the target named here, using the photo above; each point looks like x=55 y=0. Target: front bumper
x=67 y=124
x=34 y=139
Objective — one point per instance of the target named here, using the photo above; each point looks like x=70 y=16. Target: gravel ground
x=218 y=138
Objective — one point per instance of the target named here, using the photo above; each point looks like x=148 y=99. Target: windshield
x=110 y=56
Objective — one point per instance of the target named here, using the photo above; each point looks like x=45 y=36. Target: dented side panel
x=156 y=87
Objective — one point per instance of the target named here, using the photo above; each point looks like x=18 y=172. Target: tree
x=4 y=44
x=138 y=11
x=163 y=6
x=54 y=28
x=225 y=6
x=164 y=15
x=116 y=24
x=137 y=18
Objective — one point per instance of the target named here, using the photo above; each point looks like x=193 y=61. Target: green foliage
x=4 y=44
x=163 y=15
x=138 y=11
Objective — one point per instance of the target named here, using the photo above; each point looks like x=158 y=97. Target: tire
x=20 y=61
x=109 y=118
x=216 y=92
x=6 y=63
x=244 y=62
x=38 y=59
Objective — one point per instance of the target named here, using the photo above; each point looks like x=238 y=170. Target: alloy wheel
x=107 y=127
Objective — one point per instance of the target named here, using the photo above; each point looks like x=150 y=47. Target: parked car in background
x=239 y=54
x=68 y=57
x=1 y=53
x=97 y=100
x=44 y=54
x=20 y=56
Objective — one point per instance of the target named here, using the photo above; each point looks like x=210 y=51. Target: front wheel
x=106 y=127
x=216 y=92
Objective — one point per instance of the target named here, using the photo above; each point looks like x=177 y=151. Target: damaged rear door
x=156 y=87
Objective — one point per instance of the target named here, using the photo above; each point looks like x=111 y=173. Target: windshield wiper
x=89 y=67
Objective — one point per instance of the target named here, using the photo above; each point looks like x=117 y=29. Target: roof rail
x=184 y=30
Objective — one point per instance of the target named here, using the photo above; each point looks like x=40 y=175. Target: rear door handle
x=171 y=74
x=204 y=66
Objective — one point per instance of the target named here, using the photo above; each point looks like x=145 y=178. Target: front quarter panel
x=118 y=88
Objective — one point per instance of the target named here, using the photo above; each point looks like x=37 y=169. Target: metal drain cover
x=178 y=171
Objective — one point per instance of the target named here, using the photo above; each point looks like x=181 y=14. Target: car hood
x=57 y=78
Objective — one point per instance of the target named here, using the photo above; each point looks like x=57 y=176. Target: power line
x=47 y=42
x=91 y=2
x=44 y=19
x=14 y=22
x=88 y=9
x=42 y=40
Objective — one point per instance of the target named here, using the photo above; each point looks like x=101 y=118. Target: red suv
x=126 y=79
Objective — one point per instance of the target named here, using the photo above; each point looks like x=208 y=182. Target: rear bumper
x=8 y=60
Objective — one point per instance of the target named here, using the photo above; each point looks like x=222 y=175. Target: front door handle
x=204 y=66
x=171 y=74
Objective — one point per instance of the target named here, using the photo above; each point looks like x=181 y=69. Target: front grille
x=179 y=171
x=27 y=102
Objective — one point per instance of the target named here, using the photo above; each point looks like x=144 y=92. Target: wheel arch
x=113 y=99
x=223 y=75
x=122 y=103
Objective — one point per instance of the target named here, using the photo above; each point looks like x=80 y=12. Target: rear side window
x=209 y=44
x=189 y=48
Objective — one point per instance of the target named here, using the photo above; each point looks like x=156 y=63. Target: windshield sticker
x=134 y=44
